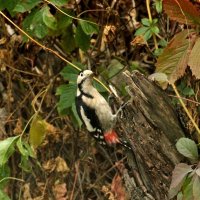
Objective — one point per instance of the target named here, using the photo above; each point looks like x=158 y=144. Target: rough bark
x=152 y=127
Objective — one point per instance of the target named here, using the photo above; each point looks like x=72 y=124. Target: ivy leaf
x=88 y=27
x=179 y=175
x=188 y=148
x=37 y=131
x=49 y=20
x=7 y=149
x=82 y=39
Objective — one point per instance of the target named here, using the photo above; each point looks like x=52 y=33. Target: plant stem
x=150 y=19
x=186 y=110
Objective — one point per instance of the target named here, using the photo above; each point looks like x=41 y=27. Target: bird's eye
x=81 y=74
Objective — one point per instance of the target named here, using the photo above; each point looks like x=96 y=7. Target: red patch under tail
x=111 y=137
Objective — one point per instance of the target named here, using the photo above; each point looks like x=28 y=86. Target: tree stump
x=153 y=128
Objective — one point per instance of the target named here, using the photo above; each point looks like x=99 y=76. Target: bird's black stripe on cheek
x=81 y=90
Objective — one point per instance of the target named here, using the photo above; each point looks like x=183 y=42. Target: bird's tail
x=112 y=138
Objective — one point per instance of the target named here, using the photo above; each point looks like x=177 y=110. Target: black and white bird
x=95 y=112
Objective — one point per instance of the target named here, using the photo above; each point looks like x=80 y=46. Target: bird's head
x=85 y=77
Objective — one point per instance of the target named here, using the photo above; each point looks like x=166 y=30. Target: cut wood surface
x=152 y=127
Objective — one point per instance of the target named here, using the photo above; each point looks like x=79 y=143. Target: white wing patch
x=87 y=121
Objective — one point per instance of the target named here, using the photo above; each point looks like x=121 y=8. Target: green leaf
x=25 y=163
x=9 y=5
x=82 y=39
x=63 y=21
x=158 y=5
x=145 y=22
x=114 y=68
x=67 y=94
x=187 y=91
x=155 y=30
x=7 y=149
x=163 y=43
x=70 y=74
x=59 y=2
x=188 y=148
x=4 y=172
x=37 y=131
x=68 y=40
x=25 y=149
x=187 y=189
x=74 y=111
x=21 y=148
x=99 y=87
x=154 y=21
x=142 y=30
x=88 y=27
x=179 y=175
x=180 y=196
x=148 y=34
x=4 y=196
x=34 y=25
x=196 y=187
x=49 y=20
x=25 y=5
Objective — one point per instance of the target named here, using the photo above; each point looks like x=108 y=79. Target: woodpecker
x=95 y=112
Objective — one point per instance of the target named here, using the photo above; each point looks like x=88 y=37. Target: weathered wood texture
x=151 y=125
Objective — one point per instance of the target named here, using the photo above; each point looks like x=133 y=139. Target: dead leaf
x=107 y=192
x=175 y=56
x=194 y=59
x=26 y=192
x=117 y=188
x=160 y=79
x=57 y=164
x=60 y=191
x=139 y=40
x=178 y=176
x=18 y=127
x=182 y=11
x=3 y=116
x=61 y=165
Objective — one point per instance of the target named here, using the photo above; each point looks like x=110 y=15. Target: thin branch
x=50 y=50
x=64 y=13
x=186 y=110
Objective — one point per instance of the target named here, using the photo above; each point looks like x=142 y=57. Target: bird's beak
x=91 y=74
